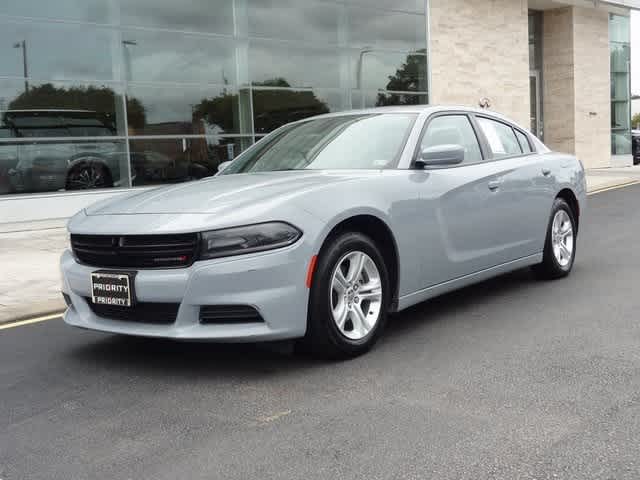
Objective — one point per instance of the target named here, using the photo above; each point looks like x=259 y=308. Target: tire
x=87 y=175
x=559 y=255
x=357 y=334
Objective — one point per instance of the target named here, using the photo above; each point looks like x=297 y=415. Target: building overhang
x=614 y=6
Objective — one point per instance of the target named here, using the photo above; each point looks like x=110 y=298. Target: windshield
x=371 y=141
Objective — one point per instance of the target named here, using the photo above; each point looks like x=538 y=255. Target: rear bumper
x=273 y=283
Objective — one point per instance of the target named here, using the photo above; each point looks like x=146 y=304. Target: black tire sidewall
x=549 y=257
x=323 y=335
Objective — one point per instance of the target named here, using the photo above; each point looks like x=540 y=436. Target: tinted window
x=347 y=142
x=453 y=130
x=502 y=140
x=523 y=141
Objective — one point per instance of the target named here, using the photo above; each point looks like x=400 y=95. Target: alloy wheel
x=562 y=238
x=86 y=177
x=355 y=295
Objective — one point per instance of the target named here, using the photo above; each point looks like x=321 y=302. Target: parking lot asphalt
x=508 y=379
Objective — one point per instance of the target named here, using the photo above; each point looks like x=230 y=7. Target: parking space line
x=29 y=321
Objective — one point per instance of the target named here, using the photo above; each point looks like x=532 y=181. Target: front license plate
x=112 y=289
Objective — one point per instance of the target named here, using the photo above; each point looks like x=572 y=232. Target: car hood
x=224 y=193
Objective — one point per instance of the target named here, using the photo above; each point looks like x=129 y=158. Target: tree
x=635 y=121
x=99 y=99
x=411 y=76
x=272 y=108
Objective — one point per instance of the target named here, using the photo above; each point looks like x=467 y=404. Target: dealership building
x=99 y=97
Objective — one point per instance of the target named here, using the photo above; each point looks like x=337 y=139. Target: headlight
x=247 y=239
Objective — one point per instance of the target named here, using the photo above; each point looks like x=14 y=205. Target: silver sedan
x=321 y=229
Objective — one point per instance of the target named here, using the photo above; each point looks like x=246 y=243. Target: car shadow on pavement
x=152 y=356
x=441 y=308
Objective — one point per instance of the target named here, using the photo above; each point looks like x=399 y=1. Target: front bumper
x=271 y=282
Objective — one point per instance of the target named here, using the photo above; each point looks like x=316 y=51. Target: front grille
x=136 y=251
x=221 y=314
x=141 y=312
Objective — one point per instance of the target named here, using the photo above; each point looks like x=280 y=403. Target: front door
x=461 y=206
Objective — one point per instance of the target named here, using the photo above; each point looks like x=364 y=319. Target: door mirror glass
x=439 y=155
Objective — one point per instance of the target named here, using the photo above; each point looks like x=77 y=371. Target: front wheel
x=560 y=245
x=349 y=298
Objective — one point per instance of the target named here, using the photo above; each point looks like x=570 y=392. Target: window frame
x=484 y=152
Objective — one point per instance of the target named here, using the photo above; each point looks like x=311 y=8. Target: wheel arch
x=380 y=232
x=570 y=197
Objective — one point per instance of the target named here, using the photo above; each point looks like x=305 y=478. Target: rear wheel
x=560 y=245
x=349 y=298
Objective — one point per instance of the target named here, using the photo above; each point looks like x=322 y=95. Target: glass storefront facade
x=620 y=42
x=121 y=93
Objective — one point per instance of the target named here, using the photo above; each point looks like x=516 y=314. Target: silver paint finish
x=451 y=226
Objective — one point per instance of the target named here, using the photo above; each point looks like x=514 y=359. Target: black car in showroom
x=635 y=146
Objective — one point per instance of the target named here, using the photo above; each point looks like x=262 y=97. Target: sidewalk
x=29 y=254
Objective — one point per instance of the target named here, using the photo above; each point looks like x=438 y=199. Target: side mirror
x=441 y=155
x=223 y=165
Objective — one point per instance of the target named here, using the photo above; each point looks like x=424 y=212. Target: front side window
x=502 y=140
x=453 y=130
x=372 y=141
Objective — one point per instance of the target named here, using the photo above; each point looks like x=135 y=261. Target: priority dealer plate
x=110 y=288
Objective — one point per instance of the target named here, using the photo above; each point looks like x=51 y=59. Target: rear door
x=521 y=200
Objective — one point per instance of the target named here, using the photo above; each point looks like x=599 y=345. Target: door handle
x=546 y=172
x=494 y=185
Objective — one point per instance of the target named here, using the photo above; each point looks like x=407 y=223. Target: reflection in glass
x=383 y=99
x=294 y=20
x=206 y=68
x=370 y=141
x=377 y=70
x=174 y=57
x=214 y=16
x=406 y=5
x=158 y=161
x=49 y=166
x=274 y=108
x=206 y=110
x=620 y=45
x=56 y=52
x=402 y=31
x=95 y=11
x=300 y=66
x=74 y=109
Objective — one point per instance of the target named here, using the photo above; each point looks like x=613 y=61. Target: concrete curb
x=15 y=314
x=612 y=185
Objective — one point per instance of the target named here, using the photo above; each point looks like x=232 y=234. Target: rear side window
x=502 y=140
x=453 y=130
x=524 y=142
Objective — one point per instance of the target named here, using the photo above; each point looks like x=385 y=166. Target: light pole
x=127 y=56
x=363 y=52
x=25 y=73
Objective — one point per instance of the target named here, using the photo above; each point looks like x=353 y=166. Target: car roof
x=428 y=108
